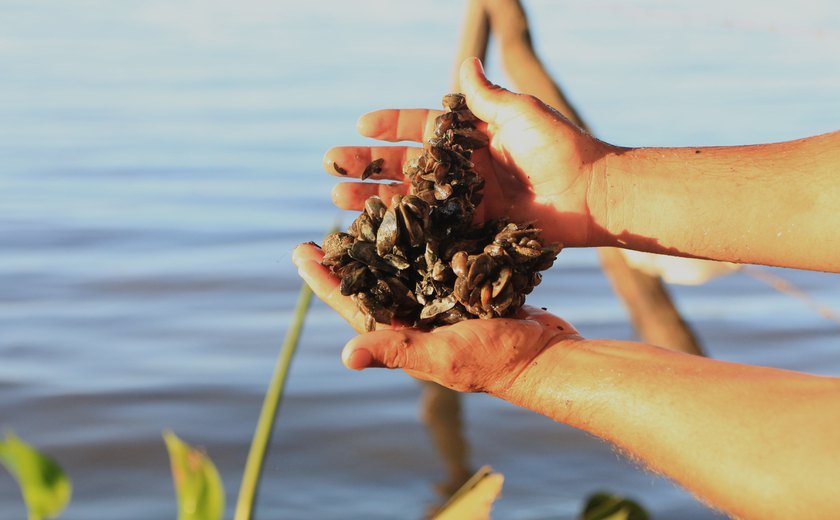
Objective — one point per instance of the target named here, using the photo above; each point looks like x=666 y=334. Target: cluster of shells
x=420 y=260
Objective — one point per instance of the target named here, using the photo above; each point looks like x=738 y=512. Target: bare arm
x=773 y=204
x=753 y=441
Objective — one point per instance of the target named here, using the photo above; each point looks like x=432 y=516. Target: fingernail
x=357 y=359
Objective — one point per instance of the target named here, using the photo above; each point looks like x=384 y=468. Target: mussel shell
x=459 y=263
x=375 y=208
x=436 y=307
x=397 y=261
x=355 y=277
x=481 y=266
x=453 y=315
x=388 y=232
x=501 y=280
x=454 y=101
x=443 y=123
x=365 y=252
x=374 y=167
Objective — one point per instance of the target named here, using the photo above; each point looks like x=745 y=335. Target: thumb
x=405 y=348
x=488 y=101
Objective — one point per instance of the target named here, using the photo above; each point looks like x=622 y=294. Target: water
x=160 y=160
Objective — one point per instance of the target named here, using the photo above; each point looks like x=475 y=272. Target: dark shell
x=374 y=167
x=339 y=169
x=355 y=277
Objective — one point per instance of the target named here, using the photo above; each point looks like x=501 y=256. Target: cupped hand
x=538 y=166
x=470 y=356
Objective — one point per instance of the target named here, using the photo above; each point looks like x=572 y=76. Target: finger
x=408 y=124
x=352 y=195
x=353 y=160
x=326 y=286
x=409 y=349
x=488 y=101
x=307 y=252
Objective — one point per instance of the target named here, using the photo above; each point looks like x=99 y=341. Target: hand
x=538 y=166
x=470 y=356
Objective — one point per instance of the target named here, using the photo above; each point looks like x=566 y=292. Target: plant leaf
x=474 y=500
x=45 y=488
x=201 y=495
x=607 y=506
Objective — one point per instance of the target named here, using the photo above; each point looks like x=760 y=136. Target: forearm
x=774 y=204
x=757 y=442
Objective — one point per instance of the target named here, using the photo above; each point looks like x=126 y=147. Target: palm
x=472 y=355
x=533 y=178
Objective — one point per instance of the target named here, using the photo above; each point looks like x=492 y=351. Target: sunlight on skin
x=473 y=355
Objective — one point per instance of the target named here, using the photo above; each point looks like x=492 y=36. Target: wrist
x=607 y=197
x=548 y=384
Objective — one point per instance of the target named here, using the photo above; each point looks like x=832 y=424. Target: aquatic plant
x=45 y=488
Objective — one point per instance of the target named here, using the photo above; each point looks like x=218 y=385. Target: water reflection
x=441 y=414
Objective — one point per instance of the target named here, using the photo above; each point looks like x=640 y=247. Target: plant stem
x=265 y=424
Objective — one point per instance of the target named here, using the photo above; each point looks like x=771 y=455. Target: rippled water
x=159 y=160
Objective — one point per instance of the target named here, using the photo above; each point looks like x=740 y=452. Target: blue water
x=159 y=160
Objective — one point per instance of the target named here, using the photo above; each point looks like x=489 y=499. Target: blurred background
x=160 y=159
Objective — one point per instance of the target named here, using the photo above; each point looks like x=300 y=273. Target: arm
x=753 y=441
x=773 y=204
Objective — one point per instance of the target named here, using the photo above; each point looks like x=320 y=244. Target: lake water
x=160 y=159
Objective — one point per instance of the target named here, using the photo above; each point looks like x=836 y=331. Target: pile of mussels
x=421 y=260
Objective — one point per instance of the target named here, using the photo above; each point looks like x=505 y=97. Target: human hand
x=538 y=166
x=470 y=356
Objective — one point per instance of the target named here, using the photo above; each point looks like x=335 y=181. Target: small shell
x=459 y=264
x=355 y=278
x=374 y=167
x=388 y=232
x=486 y=296
x=436 y=307
x=480 y=268
x=339 y=169
x=455 y=101
x=363 y=228
x=375 y=208
x=336 y=244
x=501 y=281
x=397 y=261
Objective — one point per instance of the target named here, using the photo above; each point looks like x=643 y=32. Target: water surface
x=159 y=160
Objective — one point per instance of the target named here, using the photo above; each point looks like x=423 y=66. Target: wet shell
x=374 y=167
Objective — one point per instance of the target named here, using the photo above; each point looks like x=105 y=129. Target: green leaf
x=607 y=506
x=474 y=500
x=45 y=488
x=201 y=495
